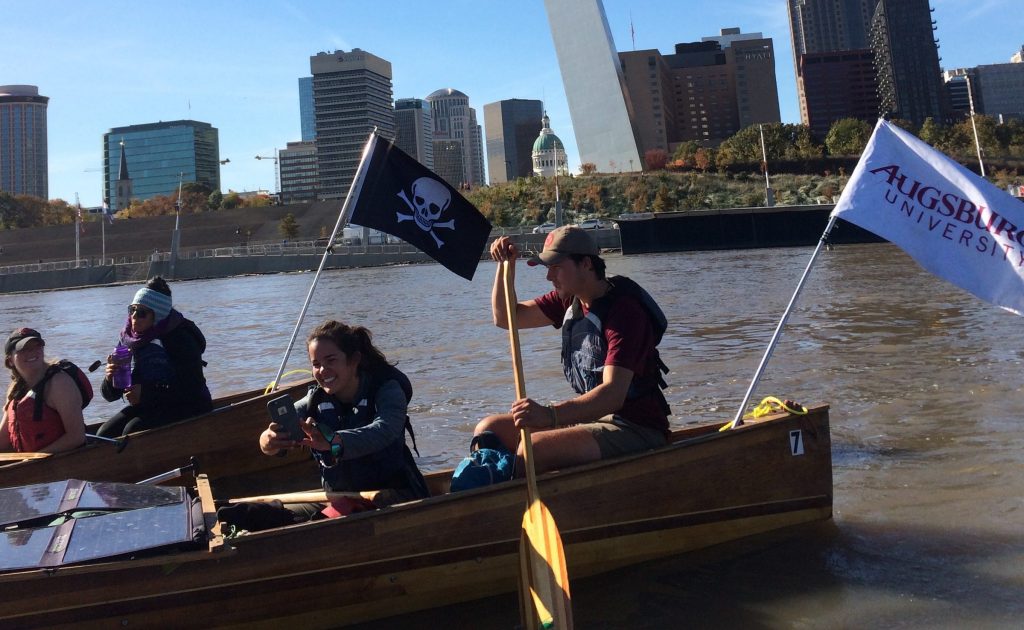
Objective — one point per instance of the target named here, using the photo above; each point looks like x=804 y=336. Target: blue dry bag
x=488 y=463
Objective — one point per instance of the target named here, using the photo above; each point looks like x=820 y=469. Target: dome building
x=549 y=152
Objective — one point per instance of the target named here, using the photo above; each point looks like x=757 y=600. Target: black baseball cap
x=19 y=339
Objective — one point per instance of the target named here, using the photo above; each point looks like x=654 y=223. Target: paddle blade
x=545 y=560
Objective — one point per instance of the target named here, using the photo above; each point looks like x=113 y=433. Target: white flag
x=954 y=223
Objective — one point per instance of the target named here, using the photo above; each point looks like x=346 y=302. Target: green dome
x=548 y=142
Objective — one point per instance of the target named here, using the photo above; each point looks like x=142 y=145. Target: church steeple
x=123 y=171
x=124 y=183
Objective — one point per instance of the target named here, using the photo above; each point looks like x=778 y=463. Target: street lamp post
x=176 y=235
x=277 y=170
x=977 y=144
x=769 y=194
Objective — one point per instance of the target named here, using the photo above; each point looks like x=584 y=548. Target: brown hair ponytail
x=351 y=339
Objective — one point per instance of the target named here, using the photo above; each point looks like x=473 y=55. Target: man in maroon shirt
x=610 y=330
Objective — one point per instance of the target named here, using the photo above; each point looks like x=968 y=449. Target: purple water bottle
x=122 y=360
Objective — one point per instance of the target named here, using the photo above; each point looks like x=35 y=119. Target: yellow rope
x=273 y=384
x=769 y=405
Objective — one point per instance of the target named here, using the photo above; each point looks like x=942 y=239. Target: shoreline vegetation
x=802 y=170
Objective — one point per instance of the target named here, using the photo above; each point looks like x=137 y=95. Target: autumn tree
x=847 y=136
x=588 y=168
x=655 y=159
x=289 y=227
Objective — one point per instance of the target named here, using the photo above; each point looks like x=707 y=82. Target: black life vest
x=392 y=467
x=76 y=374
x=584 y=348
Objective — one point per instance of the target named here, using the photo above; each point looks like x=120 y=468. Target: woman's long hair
x=351 y=339
x=19 y=386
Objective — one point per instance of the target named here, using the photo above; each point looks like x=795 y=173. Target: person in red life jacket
x=355 y=421
x=610 y=331
x=168 y=383
x=56 y=425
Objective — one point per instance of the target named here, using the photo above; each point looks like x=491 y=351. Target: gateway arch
x=594 y=87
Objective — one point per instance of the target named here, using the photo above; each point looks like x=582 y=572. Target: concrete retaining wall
x=226 y=266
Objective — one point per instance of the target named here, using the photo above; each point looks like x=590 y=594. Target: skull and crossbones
x=429 y=199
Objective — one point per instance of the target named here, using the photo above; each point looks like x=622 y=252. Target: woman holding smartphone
x=354 y=420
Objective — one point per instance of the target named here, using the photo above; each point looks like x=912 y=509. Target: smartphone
x=282 y=411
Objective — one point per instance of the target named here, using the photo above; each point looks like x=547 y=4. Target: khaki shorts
x=617 y=436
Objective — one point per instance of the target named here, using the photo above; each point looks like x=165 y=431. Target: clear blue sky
x=235 y=63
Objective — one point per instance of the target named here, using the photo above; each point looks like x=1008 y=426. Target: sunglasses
x=139 y=311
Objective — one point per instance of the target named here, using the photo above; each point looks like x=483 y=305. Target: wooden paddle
x=313 y=496
x=543 y=571
x=17 y=457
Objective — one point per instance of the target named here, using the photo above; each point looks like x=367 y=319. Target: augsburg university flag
x=954 y=223
x=402 y=197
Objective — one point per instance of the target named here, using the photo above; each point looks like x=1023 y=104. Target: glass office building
x=511 y=127
x=23 y=159
x=307 y=116
x=159 y=155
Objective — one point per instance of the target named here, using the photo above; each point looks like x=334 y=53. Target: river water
x=924 y=380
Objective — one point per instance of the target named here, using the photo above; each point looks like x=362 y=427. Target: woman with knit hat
x=167 y=365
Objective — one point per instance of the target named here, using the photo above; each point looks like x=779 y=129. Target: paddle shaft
x=517 y=367
x=543 y=572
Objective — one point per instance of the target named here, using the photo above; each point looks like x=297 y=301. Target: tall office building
x=511 y=127
x=818 y=27
x=835 y=85
x=23 y=158
x=907 y=61
x=458 y=143
x=706 y=91
x=996 y=89
x=307 y=118
x=160 y=155
x=351 y=96
x=599 y=104
x=414 y=129
x=297 y=164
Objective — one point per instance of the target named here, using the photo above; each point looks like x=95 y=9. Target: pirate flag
x=402 y=197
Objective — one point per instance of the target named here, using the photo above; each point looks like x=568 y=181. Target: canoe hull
x=709 y=490
x=224 y=443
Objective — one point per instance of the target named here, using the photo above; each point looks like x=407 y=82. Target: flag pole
x=78 y=231
x=346 y=211
x=738 y=420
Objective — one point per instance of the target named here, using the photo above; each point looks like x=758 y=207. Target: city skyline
x=120 y=63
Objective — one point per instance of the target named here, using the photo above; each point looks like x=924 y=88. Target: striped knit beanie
x=160 y=303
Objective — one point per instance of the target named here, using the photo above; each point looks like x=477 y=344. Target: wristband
x=554 y=416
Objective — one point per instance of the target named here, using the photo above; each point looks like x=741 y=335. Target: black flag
x=402 y=197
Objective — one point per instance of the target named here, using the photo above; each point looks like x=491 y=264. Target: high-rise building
x=907 y=61
x=23 y=146
x=351 y=96
x=297 y=164
x=458 y=143
x=511 y=126
x=414 y=129
x=307 y=117
x=835 y=85
x=818 y=27
x=996 y=89
x=706 y=91
x=598 y=101
x=160 y=155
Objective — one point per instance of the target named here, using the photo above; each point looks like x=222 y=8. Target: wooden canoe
x=705 y=488
x=224 y=443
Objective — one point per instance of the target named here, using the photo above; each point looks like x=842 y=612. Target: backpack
x=488 y=463
x=76 y=374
